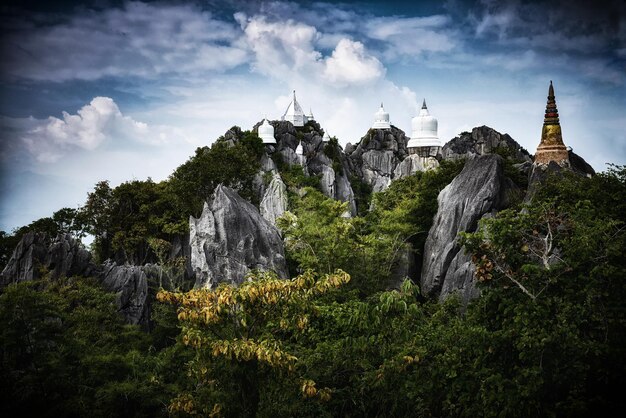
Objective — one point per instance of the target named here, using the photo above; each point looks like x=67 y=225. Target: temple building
x=295 y=114
x=551 y=147
x=266 y=132
x=381 y=119
x=424 y=139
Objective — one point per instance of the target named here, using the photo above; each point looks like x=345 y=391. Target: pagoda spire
x=551 y=148
x=424 y=104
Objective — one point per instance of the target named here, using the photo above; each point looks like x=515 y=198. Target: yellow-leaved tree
x=239 y=334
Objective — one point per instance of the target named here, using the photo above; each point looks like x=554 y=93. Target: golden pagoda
x=551 y=147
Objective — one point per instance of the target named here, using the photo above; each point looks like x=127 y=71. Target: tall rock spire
x=551 y=147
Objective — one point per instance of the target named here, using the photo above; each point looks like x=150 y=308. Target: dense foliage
x=122 y=219
x=346 y=336
x=65 y=351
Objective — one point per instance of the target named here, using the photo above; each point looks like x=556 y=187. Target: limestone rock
x=377 y=155
x=62 y=257
x=230 y=239
x=27 y=259
x=67 y=257
x=130 y=285
x=414 y=163
x=327 y=182
x=483 y=140
x=479 y=189
x=579 y=165
x=289 y=156
x=344 y=192
x=377 y=168
x=274 y=202
x=267 y=164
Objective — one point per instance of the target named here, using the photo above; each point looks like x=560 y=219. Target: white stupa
x=310 y=116
x=381 y=119
x=294 y=113
x=423 y=133
x=326 y=137
x=266 y=132
x=299 y=149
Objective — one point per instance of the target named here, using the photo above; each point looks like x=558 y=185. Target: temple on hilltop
x=381 y=119
x=424 y=139
x=295 y=114
x=551 y=148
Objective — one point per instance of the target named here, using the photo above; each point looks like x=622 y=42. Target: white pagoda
x=424 y=139
x=381 y=119
x=266 y=132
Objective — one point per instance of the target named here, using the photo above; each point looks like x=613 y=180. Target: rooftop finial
x=424 y=104
x=551 y=90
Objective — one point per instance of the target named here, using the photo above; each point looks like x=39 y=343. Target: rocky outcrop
x=274 y=202
x=579 y=165
x=540 y=172
x=377 y=155
x=479 y=190
x=230 y=239
x=67 y=257
x=483 y=140
x=130 y=285
x=35 y=254
x=27 y=259
x=414 y=163
x=378 y=168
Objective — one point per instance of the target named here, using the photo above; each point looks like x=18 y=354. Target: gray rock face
x=27 y=259
x=327 y=182
x=414 y=163
x=35 y=253
x=274 y=202
x=479 y=189
x=344 y=192
x=130 y=285
x=231 y=238
x=377 y=156
x=483 y=140
x=67 y=257
x=579 y=165
x=289 y=156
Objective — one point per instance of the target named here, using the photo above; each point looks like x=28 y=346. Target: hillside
x=260 y=280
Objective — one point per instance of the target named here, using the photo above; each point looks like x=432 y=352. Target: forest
x=547 y=337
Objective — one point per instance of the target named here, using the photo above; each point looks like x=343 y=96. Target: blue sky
x=124 y=90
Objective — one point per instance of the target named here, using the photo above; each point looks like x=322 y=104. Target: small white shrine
x=381 y=119
x=266 y=132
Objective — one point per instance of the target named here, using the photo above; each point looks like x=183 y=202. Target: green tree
x=238 y=334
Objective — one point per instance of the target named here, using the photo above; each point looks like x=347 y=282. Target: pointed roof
x=424 y=104
x=552 y=113
x=294 y=112
x=551 y=148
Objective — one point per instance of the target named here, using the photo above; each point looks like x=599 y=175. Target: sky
x=123 y=90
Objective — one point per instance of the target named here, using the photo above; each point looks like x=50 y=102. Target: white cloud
x=286 y=50
x=280 y=47
x=94 y=124
x=139 y=39
x=350 y=64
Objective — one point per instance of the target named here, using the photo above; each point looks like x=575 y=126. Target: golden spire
x=551 y=147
